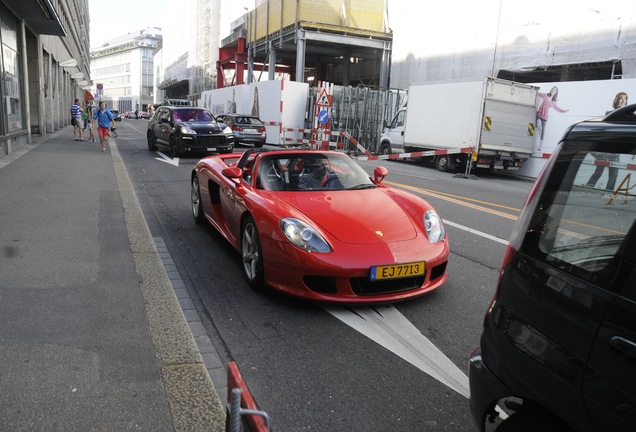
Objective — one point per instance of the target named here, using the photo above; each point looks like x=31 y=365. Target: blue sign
x=323 y=116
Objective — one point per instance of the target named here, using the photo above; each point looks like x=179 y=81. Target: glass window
x=586 y=210
x=11 y=73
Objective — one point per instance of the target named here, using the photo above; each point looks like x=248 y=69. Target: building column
x=385 y=65
x=300 y=56
x=271 y=70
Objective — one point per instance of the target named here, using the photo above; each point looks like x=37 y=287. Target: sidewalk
x=92 y=336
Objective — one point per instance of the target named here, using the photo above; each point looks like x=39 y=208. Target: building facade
x=44 y=64
x=123 y=71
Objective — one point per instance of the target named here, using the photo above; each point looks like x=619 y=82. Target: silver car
x=247 y=129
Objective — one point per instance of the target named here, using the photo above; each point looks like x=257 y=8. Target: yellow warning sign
x=530 y=129
x=487 y=123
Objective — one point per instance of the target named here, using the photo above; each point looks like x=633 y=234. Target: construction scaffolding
x=359 y=112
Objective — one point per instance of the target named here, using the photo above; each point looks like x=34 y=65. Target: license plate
x=397 y=271
x=249 y=130
x=211 y=149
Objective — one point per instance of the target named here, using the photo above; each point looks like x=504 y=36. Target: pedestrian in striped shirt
x=76 y=120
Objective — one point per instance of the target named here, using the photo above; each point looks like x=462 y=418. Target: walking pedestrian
x=88 y=124
x=105 y=121
x=76 y=120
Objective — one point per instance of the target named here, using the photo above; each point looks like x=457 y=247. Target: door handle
x=623 y=345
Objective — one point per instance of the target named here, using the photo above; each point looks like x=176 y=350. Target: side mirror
x=379 y=173
x=232 y=172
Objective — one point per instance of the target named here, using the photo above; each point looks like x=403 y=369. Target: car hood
x=356 y=217
x=203 y=127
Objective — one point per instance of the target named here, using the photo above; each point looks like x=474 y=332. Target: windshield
x=192 y=116
x=310 y=172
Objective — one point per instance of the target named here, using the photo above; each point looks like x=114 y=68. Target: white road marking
x=166 y=159
x=389 y=328
x=479 y=233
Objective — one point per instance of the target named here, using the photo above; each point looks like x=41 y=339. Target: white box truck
x=493 y=117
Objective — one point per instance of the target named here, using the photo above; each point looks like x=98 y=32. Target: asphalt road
x=311 y=367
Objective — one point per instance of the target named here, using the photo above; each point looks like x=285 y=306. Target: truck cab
x=392 y=139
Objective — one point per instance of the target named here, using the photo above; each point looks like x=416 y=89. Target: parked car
x=143 y=115
x=179 y=129
x=247 y=129
x=340 y=236
x=558 y=348
x=116 y=114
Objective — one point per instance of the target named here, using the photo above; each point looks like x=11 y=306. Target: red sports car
x=313 y=224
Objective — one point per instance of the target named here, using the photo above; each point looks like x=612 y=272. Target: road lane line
x=474 y=231
x=386 y=326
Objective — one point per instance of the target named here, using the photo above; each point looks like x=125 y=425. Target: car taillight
x=236 y=128
x=521 y=226
x=261 y=129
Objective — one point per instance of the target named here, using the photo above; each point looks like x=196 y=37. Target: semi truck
x=488 y=123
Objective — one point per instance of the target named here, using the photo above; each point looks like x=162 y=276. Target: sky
x=110 y=19
x=113 y=18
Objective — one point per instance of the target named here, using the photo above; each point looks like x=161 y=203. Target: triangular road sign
x=323 y=99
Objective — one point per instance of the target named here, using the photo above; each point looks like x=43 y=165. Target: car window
x=586 y=211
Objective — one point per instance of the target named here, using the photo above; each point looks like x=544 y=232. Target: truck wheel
x=385 y=149
x=441 y=163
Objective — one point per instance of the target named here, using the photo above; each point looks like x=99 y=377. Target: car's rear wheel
x=175 y=148
x=152 y=146
x=251 y=254
x=197 y=207
x=532 y=421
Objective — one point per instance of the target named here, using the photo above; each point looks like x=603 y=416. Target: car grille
x=365 y=286
x=211 y=140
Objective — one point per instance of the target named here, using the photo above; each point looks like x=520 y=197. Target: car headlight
x=434 y=226
x=303 y=236
x=187 y=131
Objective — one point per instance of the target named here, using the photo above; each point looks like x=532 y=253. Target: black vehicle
x=247 y=129
x=179 y=129
x=558 y=348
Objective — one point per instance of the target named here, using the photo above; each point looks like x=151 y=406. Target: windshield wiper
x=363 y=186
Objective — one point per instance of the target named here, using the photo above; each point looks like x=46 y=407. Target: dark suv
x=179 y=129
x=558 y=348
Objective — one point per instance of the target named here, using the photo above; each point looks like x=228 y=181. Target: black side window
x=586 y=211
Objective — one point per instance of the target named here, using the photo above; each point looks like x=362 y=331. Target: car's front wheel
x=152 y=145
x=251 y=254
x=175 y=148
x=197 y=207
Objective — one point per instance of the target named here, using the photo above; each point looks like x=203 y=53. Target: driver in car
x=321 y=177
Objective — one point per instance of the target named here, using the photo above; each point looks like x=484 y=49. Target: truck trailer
x=489 y=123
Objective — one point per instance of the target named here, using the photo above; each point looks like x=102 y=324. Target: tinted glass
x=586 y=211
x=192 y=116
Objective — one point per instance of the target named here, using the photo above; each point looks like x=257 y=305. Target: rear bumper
x=485 y=389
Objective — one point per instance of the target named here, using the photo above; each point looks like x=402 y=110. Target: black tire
x=251 y=254
x=532 y=421
x=441 y=163
x=385 y=149
x=195 y=196
x=175 y=147
x=152 y=145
